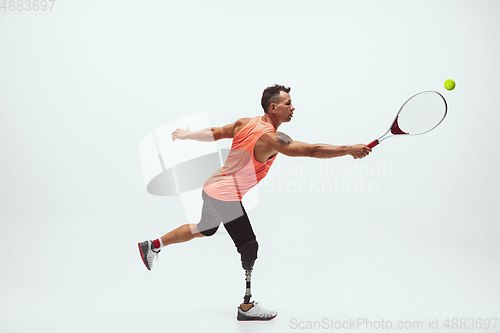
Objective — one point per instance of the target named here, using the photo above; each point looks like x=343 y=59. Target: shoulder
x=277 y=138
x=242 y=121
x=283 y=139
x=239 y=124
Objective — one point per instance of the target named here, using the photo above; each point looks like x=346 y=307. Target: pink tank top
x=241 y=171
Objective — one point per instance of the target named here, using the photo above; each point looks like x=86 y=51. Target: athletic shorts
x=231 y=213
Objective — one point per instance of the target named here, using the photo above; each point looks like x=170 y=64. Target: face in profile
x=284 y=109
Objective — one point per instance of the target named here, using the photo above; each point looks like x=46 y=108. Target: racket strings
x=418 y=115
x=422 y=113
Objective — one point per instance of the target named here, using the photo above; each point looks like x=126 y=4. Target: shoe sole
x=142 y=256
x=241 y=317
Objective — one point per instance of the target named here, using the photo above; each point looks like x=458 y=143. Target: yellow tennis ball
x=449 y=84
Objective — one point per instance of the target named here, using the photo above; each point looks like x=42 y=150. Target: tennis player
x=256 y=143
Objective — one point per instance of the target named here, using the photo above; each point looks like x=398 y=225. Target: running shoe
x=148 y=253
x=256 y=312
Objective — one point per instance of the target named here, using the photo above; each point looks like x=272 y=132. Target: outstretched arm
x=208 y=134
x=282 y=143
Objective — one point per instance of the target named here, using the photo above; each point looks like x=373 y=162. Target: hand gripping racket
x=420 y=114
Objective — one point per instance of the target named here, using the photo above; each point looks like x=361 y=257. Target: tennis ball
x=449 y=84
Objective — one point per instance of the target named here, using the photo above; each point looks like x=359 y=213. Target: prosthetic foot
x=255 y=313
x=252 y=311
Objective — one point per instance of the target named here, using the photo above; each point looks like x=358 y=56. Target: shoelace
x=155 y=254
x=262 y=312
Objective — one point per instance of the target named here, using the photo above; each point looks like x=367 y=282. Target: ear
x=272 y=107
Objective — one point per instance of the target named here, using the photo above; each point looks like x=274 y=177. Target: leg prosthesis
x=248 y=253
x=256 y=311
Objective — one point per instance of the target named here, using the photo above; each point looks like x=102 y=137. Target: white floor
x=328 y=272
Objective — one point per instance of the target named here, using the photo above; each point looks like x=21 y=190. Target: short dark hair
x=271 y=95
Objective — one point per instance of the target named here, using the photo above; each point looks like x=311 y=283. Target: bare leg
x=182 y=234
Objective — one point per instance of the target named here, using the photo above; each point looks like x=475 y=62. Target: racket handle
x=373 y=143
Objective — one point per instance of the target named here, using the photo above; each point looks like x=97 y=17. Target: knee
x=201 y=230
x=209 y=232
x=248 y=253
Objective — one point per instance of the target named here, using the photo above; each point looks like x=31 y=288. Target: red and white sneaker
x=148 y=253
x=256 y=312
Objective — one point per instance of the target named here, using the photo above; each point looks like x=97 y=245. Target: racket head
x=420 y=114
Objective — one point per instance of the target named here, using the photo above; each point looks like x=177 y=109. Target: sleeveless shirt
x=241 y=171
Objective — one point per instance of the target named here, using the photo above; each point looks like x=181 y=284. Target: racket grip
x=373 y=143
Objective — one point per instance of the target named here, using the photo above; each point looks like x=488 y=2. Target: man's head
x=276 y=101
x=272 y=95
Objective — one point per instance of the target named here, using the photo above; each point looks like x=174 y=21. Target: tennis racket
x=420 y=114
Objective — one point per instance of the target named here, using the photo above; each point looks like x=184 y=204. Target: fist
x=360 y=151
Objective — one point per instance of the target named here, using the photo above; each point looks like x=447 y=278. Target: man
x=256 y=143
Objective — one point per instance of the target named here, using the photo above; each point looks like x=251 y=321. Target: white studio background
x=82 y=84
